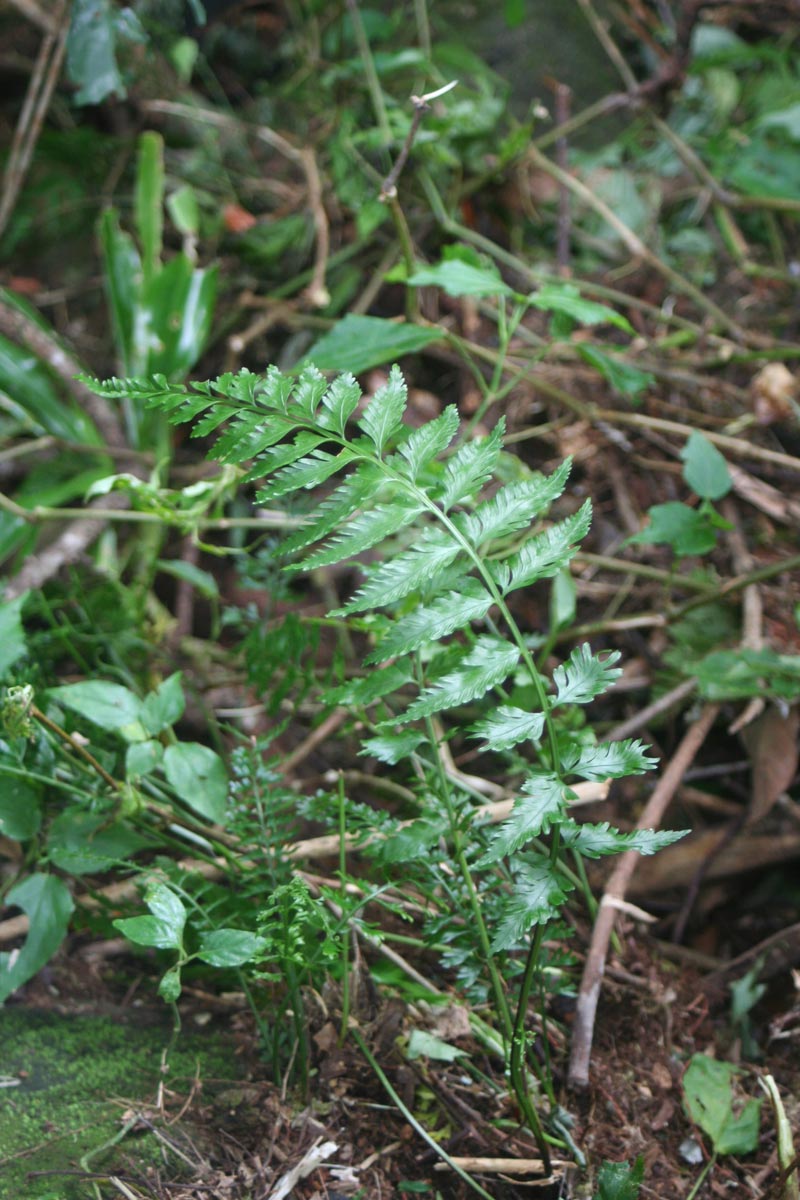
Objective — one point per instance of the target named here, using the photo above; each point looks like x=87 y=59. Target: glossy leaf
x=585 y=675
x=122 y=279
x=199 y=777
x=541 y=804
x=48 y=905
x=230 y=947
x=108 y=705
x=566 y=299
x=508 y=726
x=539 y=892
x=459 y=278
x=20 y=807
x=82 y=843
x=358 y=343
x=487 y=664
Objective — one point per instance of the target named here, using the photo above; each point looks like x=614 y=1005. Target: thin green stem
x=370 y=73
x=345 y=934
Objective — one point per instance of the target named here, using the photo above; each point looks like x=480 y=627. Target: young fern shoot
x=449 y=543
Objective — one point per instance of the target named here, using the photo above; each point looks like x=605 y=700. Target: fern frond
x=508 y=726
x=340 y=401
x=539 y=894
x=486 y=665
x=609 y=760
x=423 y=445
x=247 y=436
x=513 y=507
x=585 y=675
x=369 y=688
x=392 y=748
x=404 y=574
x=541 y=804
x=306 y=473
x=544 y=555
x=471 y=467
x=153 y=388
x=383 y=416
x=365 y=530
x=305 y=397
x=433 y=621
x=596 y=841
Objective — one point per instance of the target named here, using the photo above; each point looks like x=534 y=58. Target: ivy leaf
x=610 y=760
x=546 y=553
x=508 y=726
x=431 y=622
x=597 y=841
x=585 y=675
x=383 y=415
x=539 y=894
x=541 y=805
x=705 y=470
x=490 y=661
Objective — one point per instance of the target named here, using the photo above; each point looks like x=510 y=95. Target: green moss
x=78 y=1076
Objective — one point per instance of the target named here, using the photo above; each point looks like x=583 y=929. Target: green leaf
x=107 y=705
x=508 y=726
x=202 y=581
x=538 y=895
x=199 y=777
x=412 y=842
x=422 y=1044
x=176 y=312
x=459 y=278
x=78 y=843
x=357 y=343
x=563 y=600
x=371 y=687
x=619 y=1181
x=597 y=841
x=122 y=280
x=471 y=467
x=383 y=416
x=148 y=201
x=544 y=555
x=398 y=577
x=624 y=377
x=687 y=530
x=182 y=204
x=48 y=905
x=91 y=47
x=32 y=396
x=514 y=506
x=20 y=808
x=610 y=760
x=306 y=473
x=566 y=299
x=163 y=707
x=433 y=621
x=490 y=661
x=392 y=748
x=230 y=947
x=13 y=645
x=740 y=674
x=585 y=675
x=541 y=805
x=169 y=988
x=705 y=470
x=709 y=1101
x=363 y=531
x=423 y=445
x=341 y=400
x=142 y=758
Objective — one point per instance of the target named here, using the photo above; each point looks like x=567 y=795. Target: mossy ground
x=80 y=1079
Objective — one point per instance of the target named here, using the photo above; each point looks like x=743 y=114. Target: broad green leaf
x=80 y=844
x=108 y=705
x=709 y=1101
x=544 y=555
x=169 y=988
x=490 y=661
x=514 y=506
x=199 y=777
x=431 y=439
x=163 y=707
x=148 y=931
x=48 y=905
x=148 y=201
x=166 y=907
x=20 y=808
x=13 y=645
x=383 y=415
x=433 y=621
x=176 y=312
x=362 y=531
x=230 y=947
x=541 y=805
x=122 y=280
x=422 y=1044
x=610 y=760
x=392 y=748
x=704 y=468
x=33 y=397
x=405 y=573
x=358 y=343
x=508 y=726
x=624 y=377
x=687 y=530
x=142 y=758
x=202 y=581
x=597 y=841
x=538 y=895
x=565 y=298
x=91 y=52
x=182 y=204
x=585 y=675
x=619 y=1181
x=471 y=467
x=459 y=278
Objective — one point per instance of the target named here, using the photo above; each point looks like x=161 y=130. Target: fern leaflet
x=490 y=661
x=585 y=675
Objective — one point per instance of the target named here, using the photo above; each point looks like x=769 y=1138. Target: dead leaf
x=773 y=389
x=237 y=219
x=771 y=742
